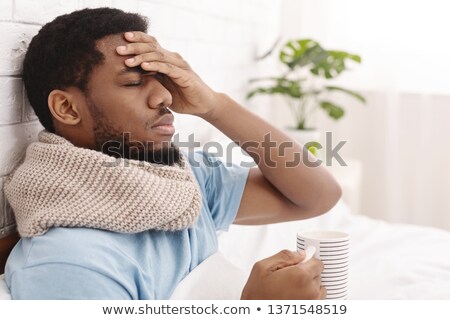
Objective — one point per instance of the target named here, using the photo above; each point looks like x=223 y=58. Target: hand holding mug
x=283 y=277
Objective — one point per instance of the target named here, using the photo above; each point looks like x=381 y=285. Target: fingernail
x=145 y=64
x=122 y=48
x=129 y=35
x=131 y=60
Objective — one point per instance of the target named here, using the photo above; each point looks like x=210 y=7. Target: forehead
x=108 y=45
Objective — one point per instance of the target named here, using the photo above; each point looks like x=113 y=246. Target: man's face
x=129 y=109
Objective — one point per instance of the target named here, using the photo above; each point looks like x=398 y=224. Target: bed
x=388 y=261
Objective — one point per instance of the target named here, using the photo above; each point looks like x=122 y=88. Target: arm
x=274 y=192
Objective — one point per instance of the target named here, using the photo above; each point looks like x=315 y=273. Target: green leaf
x=313 y=147
x=298 y=53
x=331 y=66
x=278 y=79
x=334 y=111
x=312 y=92
x=256 y=91
x=352 y=93
x=354 y=57
x=295 y=49
x=285 y=87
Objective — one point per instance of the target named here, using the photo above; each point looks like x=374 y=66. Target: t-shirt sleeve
x=223 y=184
x=64 y=281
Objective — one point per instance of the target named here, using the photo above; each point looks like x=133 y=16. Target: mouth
x=164 y=125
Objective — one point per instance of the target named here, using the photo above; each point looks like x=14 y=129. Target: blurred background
x=400 y=136
x=397 y=147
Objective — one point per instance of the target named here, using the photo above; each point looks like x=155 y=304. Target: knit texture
x=61 y=185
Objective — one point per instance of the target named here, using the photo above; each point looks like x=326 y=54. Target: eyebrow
x=127 y=70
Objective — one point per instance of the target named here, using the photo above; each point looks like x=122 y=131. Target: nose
x=158 y=96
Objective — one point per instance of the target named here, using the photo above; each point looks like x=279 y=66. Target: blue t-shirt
x=82 y=263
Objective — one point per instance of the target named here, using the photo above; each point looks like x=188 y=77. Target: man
x=107 y=206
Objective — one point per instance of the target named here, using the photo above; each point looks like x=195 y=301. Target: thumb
x=282 y=259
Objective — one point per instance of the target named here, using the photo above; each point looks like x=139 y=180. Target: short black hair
x=63 y=53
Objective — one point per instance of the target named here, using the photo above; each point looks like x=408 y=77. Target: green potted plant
x=305 y=84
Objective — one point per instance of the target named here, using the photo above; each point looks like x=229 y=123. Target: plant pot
x=308 y=138
x=303 y=136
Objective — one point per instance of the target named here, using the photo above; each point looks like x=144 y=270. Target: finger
x=318 y=281
x=281 y=260
x=323 y=293
x=170 y=70
x=138 y=36
x=137 y=48
x=149 y=52
x=314 y=267
x=161 y=56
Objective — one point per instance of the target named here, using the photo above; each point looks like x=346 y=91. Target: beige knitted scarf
x=61 y=185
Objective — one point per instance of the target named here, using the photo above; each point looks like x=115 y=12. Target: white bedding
x=4 y=293
x=388 y=261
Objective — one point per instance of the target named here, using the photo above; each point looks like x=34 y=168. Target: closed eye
x=134 y=84
x=141 y=82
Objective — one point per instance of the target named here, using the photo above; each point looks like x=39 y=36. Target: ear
x=62 y=106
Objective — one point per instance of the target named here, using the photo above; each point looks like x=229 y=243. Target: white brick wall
x=32 y=11
x=6 y=9
x=10 y=98
x=218 y=38
x=7 y=217
x=15 y=39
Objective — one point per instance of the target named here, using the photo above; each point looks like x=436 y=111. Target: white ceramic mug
x=333 y=249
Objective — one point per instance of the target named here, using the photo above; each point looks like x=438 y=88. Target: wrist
x=217 y=105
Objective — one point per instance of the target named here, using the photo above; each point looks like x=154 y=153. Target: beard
x=118 y=144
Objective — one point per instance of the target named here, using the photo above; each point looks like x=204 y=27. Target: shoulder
x=211 y=170
x=222 y=184
x=201 y=162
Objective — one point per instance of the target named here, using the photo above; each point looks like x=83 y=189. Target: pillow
x=4 y=292
x=216 y=278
